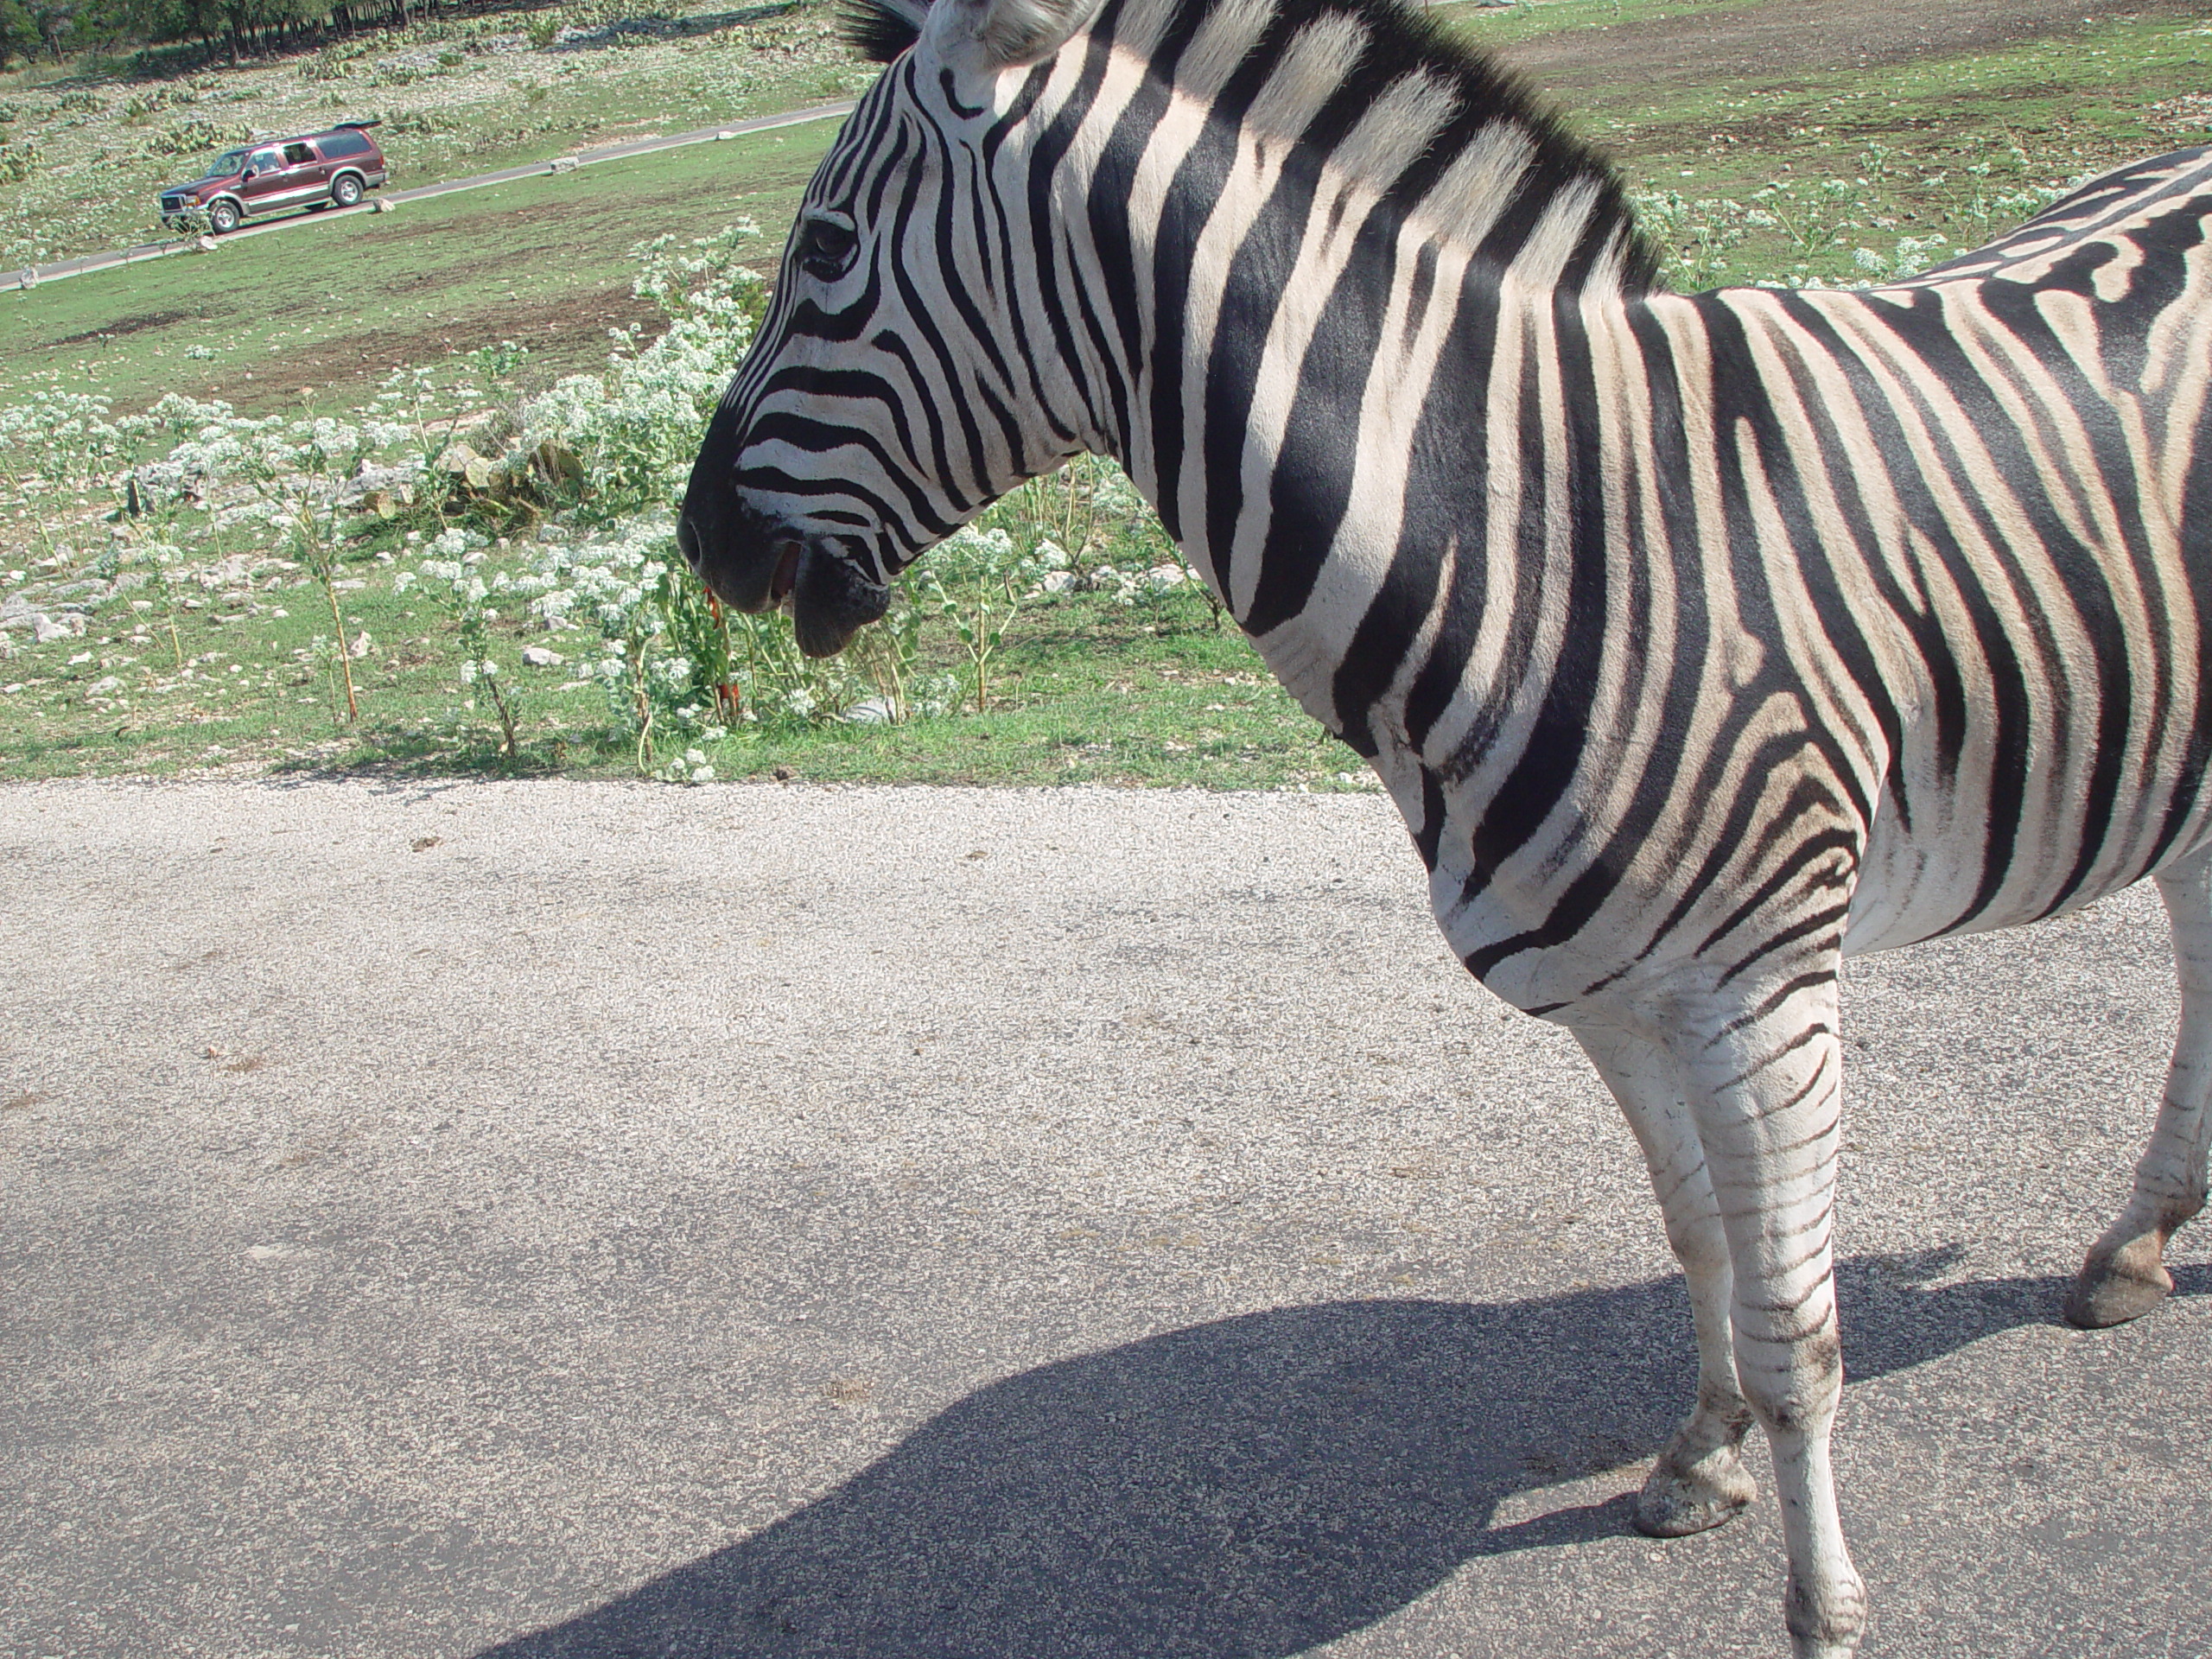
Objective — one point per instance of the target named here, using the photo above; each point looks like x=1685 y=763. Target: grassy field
x=1783 y=153
x=95 y=142
x=1938 y=145
x=1087 y=691
x=329 y=311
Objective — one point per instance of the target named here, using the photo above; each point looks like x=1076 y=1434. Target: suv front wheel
x=223 y=216
x=346 y=190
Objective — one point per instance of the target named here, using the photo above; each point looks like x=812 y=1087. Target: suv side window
x=298 y=155
x=265 y=161
x=343 y=144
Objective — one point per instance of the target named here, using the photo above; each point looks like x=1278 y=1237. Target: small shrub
x=194 y=135
x=977 y=580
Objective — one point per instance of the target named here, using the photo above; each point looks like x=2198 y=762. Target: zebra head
x=891 y=396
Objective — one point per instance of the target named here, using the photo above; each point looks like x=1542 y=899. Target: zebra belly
x=1914 y=887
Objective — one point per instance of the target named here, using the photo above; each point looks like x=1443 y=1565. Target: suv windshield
x=230 y=161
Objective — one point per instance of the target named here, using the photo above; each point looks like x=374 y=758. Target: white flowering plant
x=449 y=574
x=977 y=580
x=635 y=428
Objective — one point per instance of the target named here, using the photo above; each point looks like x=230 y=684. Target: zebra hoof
x=1675 y=1503
x=2116 y=1285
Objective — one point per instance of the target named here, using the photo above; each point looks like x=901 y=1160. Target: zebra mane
x=1449 y=90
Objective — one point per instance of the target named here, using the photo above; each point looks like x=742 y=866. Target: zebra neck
x=1364 y=447
x=1309 y=279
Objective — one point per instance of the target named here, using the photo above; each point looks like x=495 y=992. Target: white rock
x=46 y=629
x=224 y=573
x=1058 y=582
x=362 y=648
x=542 y=656
x=101 y=686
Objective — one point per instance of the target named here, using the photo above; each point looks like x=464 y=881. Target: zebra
x=1701 y=641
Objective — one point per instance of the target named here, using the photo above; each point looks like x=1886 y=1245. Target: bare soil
x=1786 y=37
x=129 y=326
x=564 y=336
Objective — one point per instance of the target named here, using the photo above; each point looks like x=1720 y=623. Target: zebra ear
x=881 y=30
x=1010 y=32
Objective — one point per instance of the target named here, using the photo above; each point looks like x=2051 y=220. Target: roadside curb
x=33 y=276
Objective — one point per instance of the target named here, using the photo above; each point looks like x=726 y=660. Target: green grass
x=1085 y=690
x=1511 y=25
x=1929 y=146
x=335 y=308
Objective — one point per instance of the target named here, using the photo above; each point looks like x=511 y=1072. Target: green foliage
x=1816 y=223
x=977 y=580
x=195 y=137
x=636 y=428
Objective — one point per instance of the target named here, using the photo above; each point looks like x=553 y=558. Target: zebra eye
x=826 y=247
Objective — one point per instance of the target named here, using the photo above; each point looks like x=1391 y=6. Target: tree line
x=62 y=28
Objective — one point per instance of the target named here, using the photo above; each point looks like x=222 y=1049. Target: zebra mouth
x=830 y=599
x=785 y=577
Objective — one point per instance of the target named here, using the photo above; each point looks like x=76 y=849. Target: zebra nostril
x=687 y=539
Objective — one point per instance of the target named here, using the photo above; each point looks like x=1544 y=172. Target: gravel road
x=564 y=1219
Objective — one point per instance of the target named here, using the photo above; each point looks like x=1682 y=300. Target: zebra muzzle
x=754 y=561
x=831 y=599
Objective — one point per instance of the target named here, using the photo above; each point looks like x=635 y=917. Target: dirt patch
x=131 y=326
x=2057 y=135
x=1787 y=37
x=564 y=336
x=400 y=227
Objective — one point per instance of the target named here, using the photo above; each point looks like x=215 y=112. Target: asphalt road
x=565 y=1219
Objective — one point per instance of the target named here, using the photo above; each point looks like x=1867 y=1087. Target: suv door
x=309 y=173
x=268 y=187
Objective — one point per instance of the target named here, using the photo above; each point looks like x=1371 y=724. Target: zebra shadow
x=1256 y=1486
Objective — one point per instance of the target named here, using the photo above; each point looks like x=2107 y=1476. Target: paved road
x=583 y=1220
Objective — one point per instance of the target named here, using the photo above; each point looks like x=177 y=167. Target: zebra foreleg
x=2125 y=1276
x=1764 y=1080
x=1699 y=1481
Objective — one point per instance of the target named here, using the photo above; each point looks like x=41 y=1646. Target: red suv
x=310 y=171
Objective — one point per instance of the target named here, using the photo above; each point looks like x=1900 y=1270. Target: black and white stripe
x=1700 y=639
